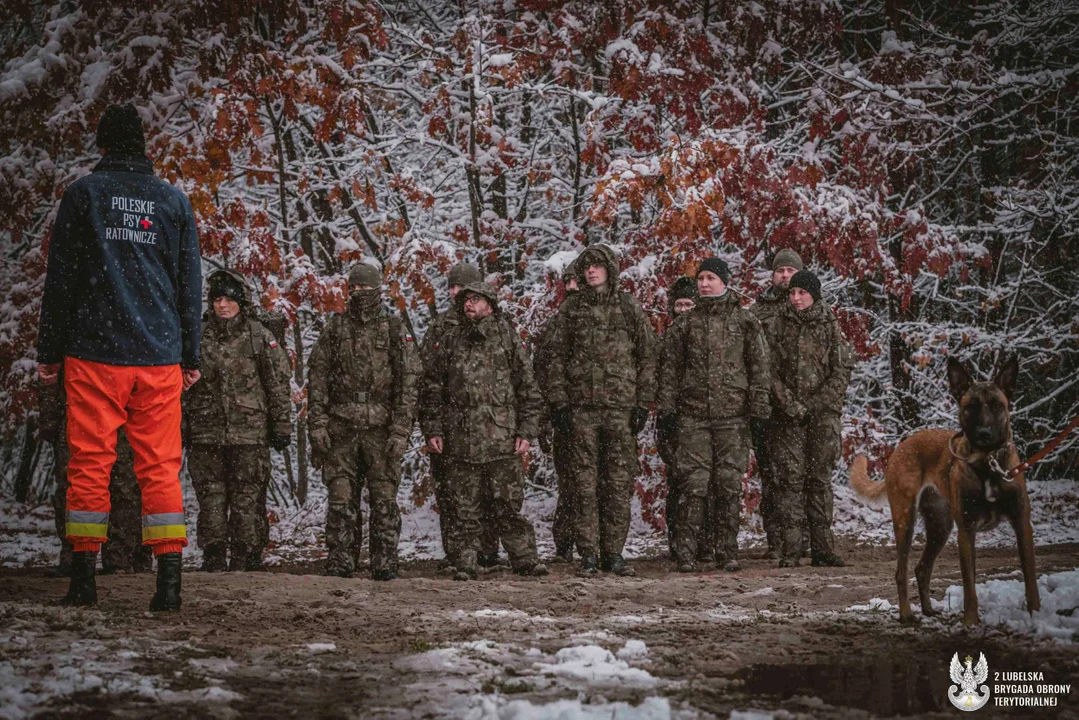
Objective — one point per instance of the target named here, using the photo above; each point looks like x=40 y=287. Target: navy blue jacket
x=124 y=278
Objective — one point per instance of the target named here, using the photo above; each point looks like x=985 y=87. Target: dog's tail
x=863 y=485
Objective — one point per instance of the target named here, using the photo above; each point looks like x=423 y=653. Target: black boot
x=214 y=558
x=616 y=564
x=487 y=560
x=82 y=592
x=167 y=596
x=588 y=566
x=829 y=559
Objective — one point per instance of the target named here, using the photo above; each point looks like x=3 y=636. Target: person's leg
x=245 y=504
x=584 y=462
x=447 y=522
x=339 y=472
x=565 y=512
x=125 y=519
x=97 y=397
x=59 y=505
x=730 y=457
x=618 y=468
x=788 y=446
x=693 y=460
x=505 y=491
x=823 y=440
x=465 y=482
x=382 y=483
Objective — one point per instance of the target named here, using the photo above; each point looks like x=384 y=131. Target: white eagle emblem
x=967 y=696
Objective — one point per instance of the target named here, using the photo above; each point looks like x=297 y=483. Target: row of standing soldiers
x=723 y=378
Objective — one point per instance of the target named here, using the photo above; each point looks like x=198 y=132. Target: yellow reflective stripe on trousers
x=164 y=526
x=88 y=530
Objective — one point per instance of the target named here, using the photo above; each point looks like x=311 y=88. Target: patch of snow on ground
x=596 y=666
x=498 y=708
x=1003 y=603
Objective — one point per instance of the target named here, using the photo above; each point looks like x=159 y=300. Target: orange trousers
x=145 y=401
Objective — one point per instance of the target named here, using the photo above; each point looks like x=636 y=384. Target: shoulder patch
x=273 y=343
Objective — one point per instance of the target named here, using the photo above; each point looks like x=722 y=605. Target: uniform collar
x=125 y=163
x=716 y=303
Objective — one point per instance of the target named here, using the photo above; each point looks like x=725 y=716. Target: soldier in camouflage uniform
x=480 y=408
x=362 y=385
x=767 y=308
x=459 y=275
x=811 y=366
x=681 y=298
x=565 y=513
x=242 y=404
x=124 y=552
x=601 y=384
x=714 y=376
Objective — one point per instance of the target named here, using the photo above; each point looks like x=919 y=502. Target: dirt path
x=294 y=644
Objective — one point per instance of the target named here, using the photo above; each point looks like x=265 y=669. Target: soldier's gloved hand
x=320 y=441
x=562 y=420
x=316 y=459
x=756 y=428
x=668 y=425
x=806 y=420
x=280 y=442
x=638 y=418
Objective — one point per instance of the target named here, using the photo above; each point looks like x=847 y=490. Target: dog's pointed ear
x=1008 y=376
x=959 y=380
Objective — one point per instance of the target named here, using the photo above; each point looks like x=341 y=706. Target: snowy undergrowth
x=1002 y=604
x=27 y=535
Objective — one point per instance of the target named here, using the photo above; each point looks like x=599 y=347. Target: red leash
x=1040 y=455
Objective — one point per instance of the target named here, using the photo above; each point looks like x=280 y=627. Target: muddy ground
x=290 y=643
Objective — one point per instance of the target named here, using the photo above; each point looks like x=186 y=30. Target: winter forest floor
x=807 y=642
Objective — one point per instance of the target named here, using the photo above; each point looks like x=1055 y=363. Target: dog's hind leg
x=903 y=521
x=938 y=528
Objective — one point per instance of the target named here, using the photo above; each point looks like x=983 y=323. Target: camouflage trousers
x=805 y=457
x=124 y=551
x=762 y=450
x=603 y=463
x=667 y=451
x=710 y=460
x=565 y=511
x=447 y=515
x=501 y=484
x=231 y=483
x=358 y=457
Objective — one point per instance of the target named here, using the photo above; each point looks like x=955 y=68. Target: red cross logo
x=145 y=222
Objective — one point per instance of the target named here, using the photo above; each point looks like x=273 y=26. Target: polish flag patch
x=273 y=343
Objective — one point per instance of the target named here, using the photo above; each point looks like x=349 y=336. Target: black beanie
x=717 y=266
x=222 y=284
x=120 y=131
x=684 y=288
x=808 y=282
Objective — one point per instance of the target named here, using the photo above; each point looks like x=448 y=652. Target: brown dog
x=957 y=478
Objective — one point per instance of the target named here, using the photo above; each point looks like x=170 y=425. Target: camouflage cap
x=787 y=258
x=464 y=274
x=226 y=283
x=572 y=270
x=365 y=274
x=479 y=288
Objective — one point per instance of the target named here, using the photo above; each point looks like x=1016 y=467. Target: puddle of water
x=882 y=688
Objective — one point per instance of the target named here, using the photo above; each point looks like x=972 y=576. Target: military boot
x=827 y=559
x=563 y=555
x=466 y=566
x=589 y=566
x=487 y=560
x=728 y=563
x=385 y=574
x=534 y=569
x=167 y=596
x=214 y=558
x=617 y=565
x=82 y=591
x=337 y=566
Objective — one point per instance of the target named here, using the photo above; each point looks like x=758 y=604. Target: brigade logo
x=965 y=695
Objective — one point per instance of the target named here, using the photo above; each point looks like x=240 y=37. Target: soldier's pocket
x=251 y=404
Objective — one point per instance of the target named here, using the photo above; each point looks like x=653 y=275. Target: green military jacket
x=603 y=349
x=811 y=361
x=768 y=307
x=363 y=370
x=479 y=392
x=244 y=393
x=715 y=363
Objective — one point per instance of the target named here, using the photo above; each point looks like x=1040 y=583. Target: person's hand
x=190 y=378
x=320 y=440
x=49 y=373
x=435 y=444
x=396 y=446
x=638 y=418
x=280 y=442
x=668 y=425
x=521 y=447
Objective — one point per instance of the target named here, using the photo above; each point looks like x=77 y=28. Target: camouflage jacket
x=244 y=393
x=603 y=349
x=443 y=324
x=768 y=307
x=715 y=363
x=364 y=370
x=479 y=393
x=811 y=361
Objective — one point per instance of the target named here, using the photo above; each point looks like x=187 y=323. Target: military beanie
x=224 y=284
x=365 y=274
x=572 y=270
x=120 y=131
x=463 y=274
x=684 y=288
x=807 y=281
x=717 y=266
x=787 y=258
